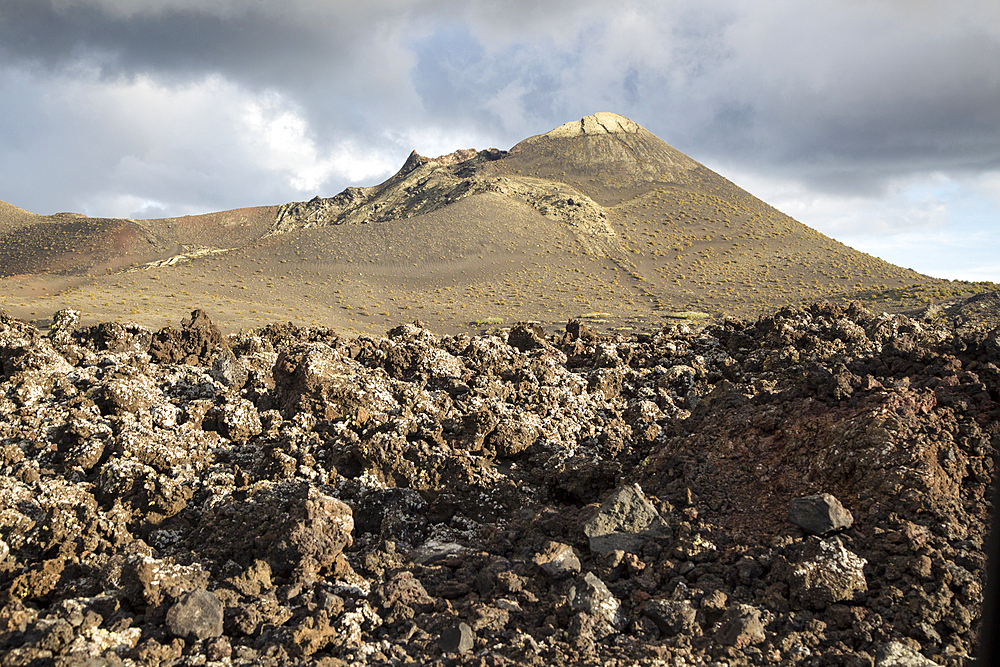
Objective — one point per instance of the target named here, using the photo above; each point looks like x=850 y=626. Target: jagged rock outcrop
x=426 y=185
x=422 y=185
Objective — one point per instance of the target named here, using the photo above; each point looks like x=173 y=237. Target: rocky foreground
x=811 y=488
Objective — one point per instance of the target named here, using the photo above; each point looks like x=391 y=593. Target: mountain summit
x=607 y=156
x=598 y=217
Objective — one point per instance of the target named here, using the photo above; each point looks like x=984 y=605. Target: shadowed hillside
x=597 y=218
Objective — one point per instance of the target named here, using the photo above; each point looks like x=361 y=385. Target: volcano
x=598 y=218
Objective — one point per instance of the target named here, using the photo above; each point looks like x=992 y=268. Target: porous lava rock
x=197 y=615
x=624 y=522
x=568 y=497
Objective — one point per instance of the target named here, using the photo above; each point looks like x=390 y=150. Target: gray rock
x=457 y=639
x=558 y=560
x=741 y=626
x=672 y=617
x=625 y=521
x=227 y=369
x=819 y=515
x=895 y=654
x=197 y=615
x=591 y=595
x=434 y=550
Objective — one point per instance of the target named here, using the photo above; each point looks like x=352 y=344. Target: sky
x=876 y=122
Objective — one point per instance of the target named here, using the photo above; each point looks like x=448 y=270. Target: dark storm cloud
x=259 y=49
x=826 y=89
x=844 y=95
x=341 y=62
x=283 y=97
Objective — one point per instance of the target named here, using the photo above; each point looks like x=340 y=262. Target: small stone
x=197 y=615
x=895 y=654
x=741 y=626
x=56 y=635
x=713 y=605
x=457 y=639
x=239 y=420
x=819 y=515
x=591 y=595
x=227 y=369
x=254 y=580
x=434 y=550
x=513 y=436
x=671 y=617
x=217 y=649
x=406 y=590
x=625 y=521
x=558 y=560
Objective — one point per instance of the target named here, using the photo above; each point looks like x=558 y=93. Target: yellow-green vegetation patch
x=595 y=316
x=488 y=320
x=688 y=315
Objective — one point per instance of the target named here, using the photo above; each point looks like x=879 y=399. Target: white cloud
x=434 y=141
x=128 y=206
x=938 y=224
x=914 y=203
x=138 y=146
x=279 y=138
x=986 y=185
x=311 y=10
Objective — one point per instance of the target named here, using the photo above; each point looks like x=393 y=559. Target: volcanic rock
x=624 y=522
x=194 y=343
x=741 y=627
x=672 y=617
x=558 y=560
x=825 y=574
x=819 y=515
x=294 y=525
x=591 y=595
x=228 y=370
x=457 y=639
x=895 y=654
x=197 y=615
x=339 y=505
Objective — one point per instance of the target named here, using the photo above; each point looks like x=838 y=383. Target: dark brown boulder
x=194 y=343
x=292 y=526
